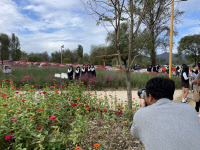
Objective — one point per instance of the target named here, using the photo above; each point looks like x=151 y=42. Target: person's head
x=83 y=66
x=78 y=68
x=185 y=68
x=92 y=66
x=157 y=88
x=178 y=65
x=71 y=68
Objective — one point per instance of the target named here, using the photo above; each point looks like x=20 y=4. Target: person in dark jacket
x=149 y=68
x=77 y=73
x=83 y=70
x=93 y=72
x=178 y=70
x=155 y=69
x=88 y=71
x=185 y=82
x=70 y=73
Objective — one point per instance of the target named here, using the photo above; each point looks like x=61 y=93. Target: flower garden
x=39 y=111
x=69 y=117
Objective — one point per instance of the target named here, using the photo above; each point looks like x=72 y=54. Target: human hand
x=194 y=81
x=143 y=104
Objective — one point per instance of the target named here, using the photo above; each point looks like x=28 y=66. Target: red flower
x=23 y=100
x=90 y=95
x=39 y=127
x=40 y=110
x=86 y=105
x=5 y=104
x=75 y=104
x=44 y=92
x=28 y=109
x=8 y=137
x=27 y=77
x=18 y=112
x=105 y=110
x=56 y=123
x=52 y=117
x=57 y=108
x=21 y=131
x=118 y=112
x=98 y=108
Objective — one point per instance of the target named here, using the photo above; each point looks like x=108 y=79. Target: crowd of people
x=86 y=71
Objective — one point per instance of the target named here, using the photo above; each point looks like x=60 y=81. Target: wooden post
x=116 y=61
x=104 y=61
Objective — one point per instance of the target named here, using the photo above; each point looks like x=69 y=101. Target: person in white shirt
x=70 y=73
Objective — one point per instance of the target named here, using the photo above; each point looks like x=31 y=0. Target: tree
x=156 y=18
x=15 y=48
x=86 y=58
x=97 y=51
x=190 y=46
x=115 y=11
x=4 y=47
x=80 y=51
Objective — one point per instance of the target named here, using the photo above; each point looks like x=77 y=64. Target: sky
x=46 y=25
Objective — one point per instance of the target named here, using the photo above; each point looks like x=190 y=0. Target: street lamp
x=61 y=52
x=171 y=37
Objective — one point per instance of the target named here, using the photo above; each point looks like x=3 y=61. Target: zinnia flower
x=52 y=117
x=75 y=104
x=118 y=112
x=15 y=119
x=96 y=145
x=105 y=110
x=28 y=109
x=121 y=108
x=78 y=148
x=86 y=105
x=56 y=131
x=5 y=104
x=23 y=100
x=8 y=137
x=80 y=104
x=31 y=117
x=57 y=108
x=55 y=123
x=40 y=110
x=39 y=127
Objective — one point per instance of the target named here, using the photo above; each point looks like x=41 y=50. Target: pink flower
x=90 y=95
x=56 y=105
x=100 y=123
x=52 y=117
x=80 y=104
x=15 y=119
x=105 y=110
x=8 y=137
x=51 y=87
x=44 y=92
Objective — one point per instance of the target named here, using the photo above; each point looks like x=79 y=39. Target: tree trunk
x=153 y=50
x=195 y=59
x=129 y=89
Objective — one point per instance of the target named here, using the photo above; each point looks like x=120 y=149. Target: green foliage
x=80 y=61
x=4 y=47
x=80 y=51
x=67 y=60
x=15 y=48
x=190 y=46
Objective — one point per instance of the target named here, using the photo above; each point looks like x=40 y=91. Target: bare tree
x=112 y=13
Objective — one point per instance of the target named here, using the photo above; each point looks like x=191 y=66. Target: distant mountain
x=164 y=58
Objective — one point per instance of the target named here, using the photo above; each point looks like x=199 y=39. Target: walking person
x=196 y=84
x=185 y=82
x=178 y=70
x=77 y=73
x=70 y=73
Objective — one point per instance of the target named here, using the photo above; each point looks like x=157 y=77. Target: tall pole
x=61 y=54
x=171 y=39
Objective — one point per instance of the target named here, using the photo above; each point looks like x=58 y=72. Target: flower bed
x=67 y=118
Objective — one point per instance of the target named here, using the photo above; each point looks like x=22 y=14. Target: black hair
x=198 y=64
x=160 y=87
x=185 y=69
x=194 y=66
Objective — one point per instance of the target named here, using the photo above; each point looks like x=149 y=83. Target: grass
x=114 y=80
